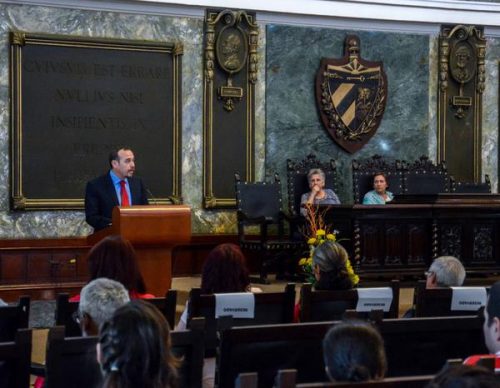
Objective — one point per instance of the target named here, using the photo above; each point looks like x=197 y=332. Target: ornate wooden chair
x=425 y=177
x=260 y=205
x=297 y=179
x=363 y=171
x=471 y=187
x=13 y=318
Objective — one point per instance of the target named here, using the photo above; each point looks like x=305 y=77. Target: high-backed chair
x=436 y=302
x=471 y=187
x=331 y=305
x=65 y=311
x=425 y=177
x=13 y=318
x=297 y=179
x=260 y=204
x=364 y=170
x=71 y=361
x=270 y=307
x=15 y=358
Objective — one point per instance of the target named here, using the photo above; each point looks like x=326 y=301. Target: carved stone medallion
x=351 y=94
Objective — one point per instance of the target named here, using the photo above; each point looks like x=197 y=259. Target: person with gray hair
x=98 y=301
x=445 y=271
x=317 y=195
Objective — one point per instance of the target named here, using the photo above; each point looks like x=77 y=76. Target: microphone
x=153 y=198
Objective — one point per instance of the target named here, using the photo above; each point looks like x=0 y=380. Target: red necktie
x=124 y=194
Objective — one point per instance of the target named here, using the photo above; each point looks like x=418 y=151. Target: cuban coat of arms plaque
x=351 y=94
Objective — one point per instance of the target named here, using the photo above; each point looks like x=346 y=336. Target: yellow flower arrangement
x=318 y=233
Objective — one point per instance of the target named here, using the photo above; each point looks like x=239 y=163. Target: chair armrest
x=256 y=220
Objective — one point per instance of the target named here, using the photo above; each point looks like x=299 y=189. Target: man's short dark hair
x=113 y=155
x=493 y=304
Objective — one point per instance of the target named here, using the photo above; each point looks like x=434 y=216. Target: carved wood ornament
x=462 y=51
x=230 y=66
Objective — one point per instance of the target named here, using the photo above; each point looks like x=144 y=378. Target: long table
x=404 y=237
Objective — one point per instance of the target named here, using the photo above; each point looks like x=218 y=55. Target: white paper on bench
x=379 y=298
x=468 y=298
x=238 y=304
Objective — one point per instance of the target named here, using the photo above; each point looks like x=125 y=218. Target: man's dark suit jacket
x=100 y=199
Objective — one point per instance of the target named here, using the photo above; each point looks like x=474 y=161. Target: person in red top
x=114 y=258
x=491 y=328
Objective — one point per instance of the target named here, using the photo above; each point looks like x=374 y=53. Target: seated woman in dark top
x=318 y=194
x=354 y=351
x=114 y=258
x=224 y=271
x=329 y=264
x=379 y=195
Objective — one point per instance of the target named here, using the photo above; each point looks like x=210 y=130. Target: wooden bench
x=331 y=305
x=270 y=307
x=13 y=318
x=418 y=346
x=15 y=358
x=435 y=302
x=65 y=310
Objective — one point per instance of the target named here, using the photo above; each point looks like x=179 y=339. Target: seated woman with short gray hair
x=317 y=195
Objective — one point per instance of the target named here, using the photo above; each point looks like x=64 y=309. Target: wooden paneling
x=43 y=267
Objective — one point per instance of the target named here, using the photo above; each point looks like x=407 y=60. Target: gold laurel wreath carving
x=335 y=122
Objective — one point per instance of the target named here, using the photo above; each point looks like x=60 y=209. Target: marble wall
x=287 y=122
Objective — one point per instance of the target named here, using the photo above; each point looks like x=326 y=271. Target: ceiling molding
x=399 y=15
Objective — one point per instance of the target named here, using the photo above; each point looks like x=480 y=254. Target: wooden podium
x=153 y=231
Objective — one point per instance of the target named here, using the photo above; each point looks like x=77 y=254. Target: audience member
x=114 y=258
x=134 y=348
x=445 y=271
x=329 y=264
x=354 y=351
x=224 y=271
x=98 y=301
x=491 y=327
x=464 y=376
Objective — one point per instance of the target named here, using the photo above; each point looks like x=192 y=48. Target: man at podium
x=116 y=188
